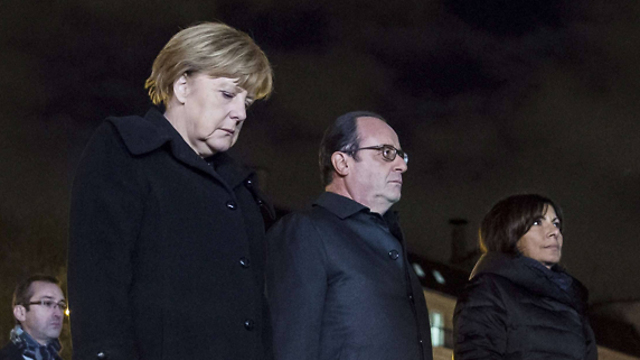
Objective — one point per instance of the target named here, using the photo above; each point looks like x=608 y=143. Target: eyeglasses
x=49 y=304
x=388 y=152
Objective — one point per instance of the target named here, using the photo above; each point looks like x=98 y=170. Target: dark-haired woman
x=519 y=303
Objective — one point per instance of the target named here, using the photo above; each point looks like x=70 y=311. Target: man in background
x=38 y=307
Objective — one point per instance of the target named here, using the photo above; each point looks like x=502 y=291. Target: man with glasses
x=38 y=306
x=338 y=280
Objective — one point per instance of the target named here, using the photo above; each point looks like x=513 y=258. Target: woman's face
x=212 y=112
x=543 y=241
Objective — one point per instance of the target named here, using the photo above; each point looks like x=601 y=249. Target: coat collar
x=145 y=135
x=343 y=207
x=518 y=270
x=339 y=205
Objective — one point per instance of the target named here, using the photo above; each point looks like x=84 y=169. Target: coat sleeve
x=106 y=211
x=480 y=322
x=592 y=348
x=296 y=287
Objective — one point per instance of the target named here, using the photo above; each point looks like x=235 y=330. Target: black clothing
x=166 y=252
x=515 y=309
x=11 y=352
x=340 y=286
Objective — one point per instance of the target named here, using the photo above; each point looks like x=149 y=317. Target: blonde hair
x=214 y=49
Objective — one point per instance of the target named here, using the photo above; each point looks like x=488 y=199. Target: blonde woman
x=166 y=230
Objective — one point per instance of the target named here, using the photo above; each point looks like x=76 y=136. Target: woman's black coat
x=512 y=310
x=166 y=250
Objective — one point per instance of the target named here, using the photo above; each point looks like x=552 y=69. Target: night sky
x=489 y=98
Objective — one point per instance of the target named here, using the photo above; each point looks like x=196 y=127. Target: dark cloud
x=293 y=30
x=510 y=17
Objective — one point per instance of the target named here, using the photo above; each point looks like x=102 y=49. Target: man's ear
x=181 y=88
x=340 y=163
x=20 y=313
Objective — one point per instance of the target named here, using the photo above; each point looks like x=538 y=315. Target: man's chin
x=54 y=332
x=394 y=198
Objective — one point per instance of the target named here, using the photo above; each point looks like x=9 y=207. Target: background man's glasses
x=49 y=304
x=388 y=152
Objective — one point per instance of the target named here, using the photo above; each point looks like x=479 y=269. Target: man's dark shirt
x=340 y=287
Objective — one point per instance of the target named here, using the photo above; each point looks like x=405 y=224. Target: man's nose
x=58 y=312
x=400 y=165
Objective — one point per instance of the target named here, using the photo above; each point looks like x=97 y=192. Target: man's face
x=41 y=322
x=374 y=181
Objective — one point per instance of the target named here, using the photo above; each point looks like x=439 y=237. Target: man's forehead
x=379 y=130
x=42 y=289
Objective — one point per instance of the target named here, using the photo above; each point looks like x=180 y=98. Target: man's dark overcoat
x=340 y=286
x=166 y=250
x=11 y=352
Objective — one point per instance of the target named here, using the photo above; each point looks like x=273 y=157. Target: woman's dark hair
x=342 y=135
x=510 y=219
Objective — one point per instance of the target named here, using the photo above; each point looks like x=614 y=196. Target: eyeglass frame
x=396 y=152
x=62 y=305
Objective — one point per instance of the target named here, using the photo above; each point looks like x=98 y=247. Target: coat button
x=249 y=324
x=101 y=355
x=393 y=254
x=245 y=263
x=249 y=183
x=410 y=297
x=231 y=205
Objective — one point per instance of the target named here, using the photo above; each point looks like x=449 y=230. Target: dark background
x=489 y=98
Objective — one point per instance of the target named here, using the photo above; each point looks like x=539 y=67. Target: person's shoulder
x=105 y=145
x=305 y=225
x=116 y=142
x=490 y=279
x=139 y=134
x=294 y=219
x=485 y=292
x=115 y=129
x=488 y=284
x=10 y=352
x=130 y=124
